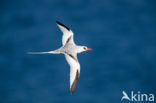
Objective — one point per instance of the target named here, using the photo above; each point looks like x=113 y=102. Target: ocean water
x=122 y=34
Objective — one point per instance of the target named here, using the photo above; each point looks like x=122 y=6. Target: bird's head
x=83 y=49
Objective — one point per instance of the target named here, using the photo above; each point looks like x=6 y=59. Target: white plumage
x=70 y=50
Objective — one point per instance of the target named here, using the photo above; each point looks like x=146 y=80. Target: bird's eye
x=84 y=48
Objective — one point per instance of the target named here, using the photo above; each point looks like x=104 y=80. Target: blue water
x=122 y=34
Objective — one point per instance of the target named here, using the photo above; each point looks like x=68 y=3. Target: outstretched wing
x=67 y=33
x=74 y=70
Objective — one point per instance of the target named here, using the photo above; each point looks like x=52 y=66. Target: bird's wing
x=74 y=70
x=67 y=33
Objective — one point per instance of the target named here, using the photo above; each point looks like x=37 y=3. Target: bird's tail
x=50 y=52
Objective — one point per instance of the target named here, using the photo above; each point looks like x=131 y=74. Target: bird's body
x=70 y=50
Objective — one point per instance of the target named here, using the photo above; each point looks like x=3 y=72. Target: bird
x=70 y=50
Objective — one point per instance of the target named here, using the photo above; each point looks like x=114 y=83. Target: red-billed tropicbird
x=70 y=50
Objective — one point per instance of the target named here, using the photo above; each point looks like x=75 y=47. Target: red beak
x=88 y=49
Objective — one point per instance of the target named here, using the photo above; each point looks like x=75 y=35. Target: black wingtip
x=74 y=83
x=59 y=23
x=71 y=92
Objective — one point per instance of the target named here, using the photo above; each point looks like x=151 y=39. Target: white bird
x=70 y=50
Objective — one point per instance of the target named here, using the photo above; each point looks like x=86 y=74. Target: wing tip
x=73 y=86
x=71 y=92
x=59 y=23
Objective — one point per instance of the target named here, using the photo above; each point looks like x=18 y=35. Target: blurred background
x=122 y=34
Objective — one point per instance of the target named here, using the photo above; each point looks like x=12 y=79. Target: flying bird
x=70 y=50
